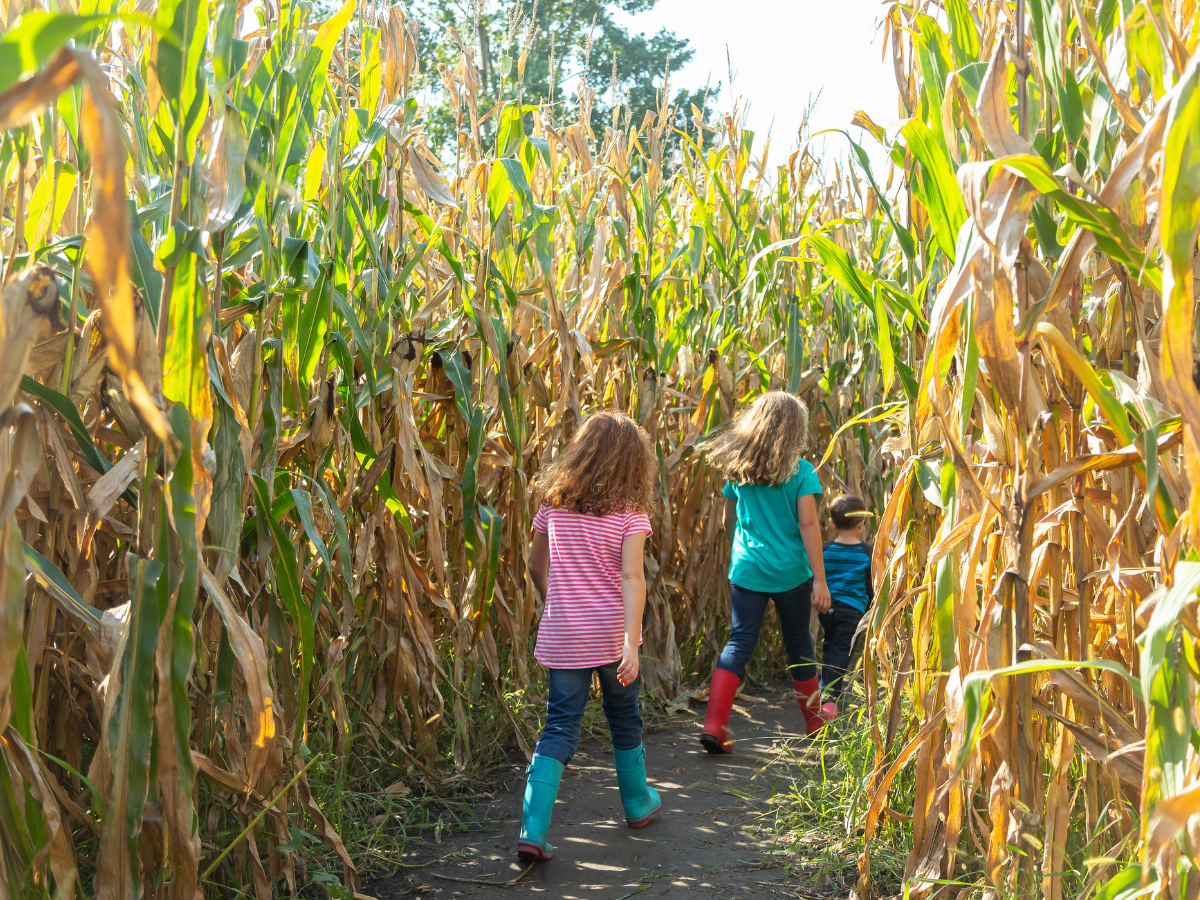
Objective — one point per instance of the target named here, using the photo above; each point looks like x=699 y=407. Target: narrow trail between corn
x=711 y=837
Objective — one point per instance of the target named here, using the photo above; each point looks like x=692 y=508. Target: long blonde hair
x=609 y=466
x=764 y=443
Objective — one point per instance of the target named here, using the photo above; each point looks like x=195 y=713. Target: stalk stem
x=164 y=301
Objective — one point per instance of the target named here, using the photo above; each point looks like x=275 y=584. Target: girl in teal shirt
x=771 y=514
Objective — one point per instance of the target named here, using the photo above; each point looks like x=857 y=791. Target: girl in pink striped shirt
x=586 y=563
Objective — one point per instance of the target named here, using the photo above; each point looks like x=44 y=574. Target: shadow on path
x=708 y=840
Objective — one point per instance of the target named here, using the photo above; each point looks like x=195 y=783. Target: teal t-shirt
x=768 y=553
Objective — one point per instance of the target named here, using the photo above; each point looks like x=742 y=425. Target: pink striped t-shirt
x=583 y=622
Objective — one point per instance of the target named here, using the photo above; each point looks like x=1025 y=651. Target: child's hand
x=627 y=671
x=821 y=600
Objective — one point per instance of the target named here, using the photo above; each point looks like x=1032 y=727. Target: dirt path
x=708 y=840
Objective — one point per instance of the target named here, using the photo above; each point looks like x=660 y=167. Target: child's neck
x=853 y=536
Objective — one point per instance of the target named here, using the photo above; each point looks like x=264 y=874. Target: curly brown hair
x=763 y=444
x=608 y=467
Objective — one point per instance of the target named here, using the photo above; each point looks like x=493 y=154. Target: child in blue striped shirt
x=848 y=574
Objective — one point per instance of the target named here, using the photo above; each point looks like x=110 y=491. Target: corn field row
x=274 y=382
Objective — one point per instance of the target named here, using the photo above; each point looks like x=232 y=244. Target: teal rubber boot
x=641 y=802
x=541 y=790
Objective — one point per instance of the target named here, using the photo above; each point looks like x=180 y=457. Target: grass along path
x=764 y=822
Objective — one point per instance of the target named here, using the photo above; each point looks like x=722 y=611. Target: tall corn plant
x=1032 y=650
x=275 y=381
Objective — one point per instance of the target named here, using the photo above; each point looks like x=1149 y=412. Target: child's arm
x=810 y=533
x=633 y=595
x=730 y=519
x=539 y=562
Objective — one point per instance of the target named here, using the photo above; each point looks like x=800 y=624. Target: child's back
x=583 y=623
x=848 y=572
x=768 y=549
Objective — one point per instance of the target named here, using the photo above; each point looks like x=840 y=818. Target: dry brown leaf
x=108 y=244
x=434 y=186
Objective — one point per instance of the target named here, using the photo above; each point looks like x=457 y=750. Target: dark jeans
x=794 y=610
x=569 y=690
x=839 y=625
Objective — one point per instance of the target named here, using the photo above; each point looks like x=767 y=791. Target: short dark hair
x=847 y=511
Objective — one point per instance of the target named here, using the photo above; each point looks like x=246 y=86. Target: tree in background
x=558 y=46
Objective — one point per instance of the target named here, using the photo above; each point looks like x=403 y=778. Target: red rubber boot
x=715 y=737
x=808 y=695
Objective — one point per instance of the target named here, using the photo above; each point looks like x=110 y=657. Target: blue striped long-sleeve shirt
x=848 y=574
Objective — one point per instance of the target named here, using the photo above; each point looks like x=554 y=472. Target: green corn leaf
x=936 y=185
x=477 y=422
x=145 y=276
x=499 y=189
x=21 y=688
x=185 y=362
x=273 y=407
x=511 y=130
x=12 y=614
x=906 y=304
x=1163 y=621
x=180 y=68
x=795 y=348
x=1105 y=399
x=224 y=42
x=514 y=173
x=1144 y=50
x=679 y=250
x=943 y=608
x=303 y=504
x=837 y=263
x=883 y=339
x=971 y=365
x=929 y=477
x=935 y=61
x=314 y=321
x=1046 y=27
x=461 y=377
x=365 y=350
x=964 y=34
x=55 y=582
x=287 y=576
x=1169 y=724
x=491 y=526
x=341 y=533
x=65 y=408
x=1070 y=101
x=1125 y=885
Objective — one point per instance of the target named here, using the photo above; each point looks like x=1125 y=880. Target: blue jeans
x=839 y=625
x=569 y=690
x=793 y=608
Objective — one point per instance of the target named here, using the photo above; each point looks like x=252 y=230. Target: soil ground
x=710 y=839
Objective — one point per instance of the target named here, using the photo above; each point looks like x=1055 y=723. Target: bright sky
x=782 y=52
